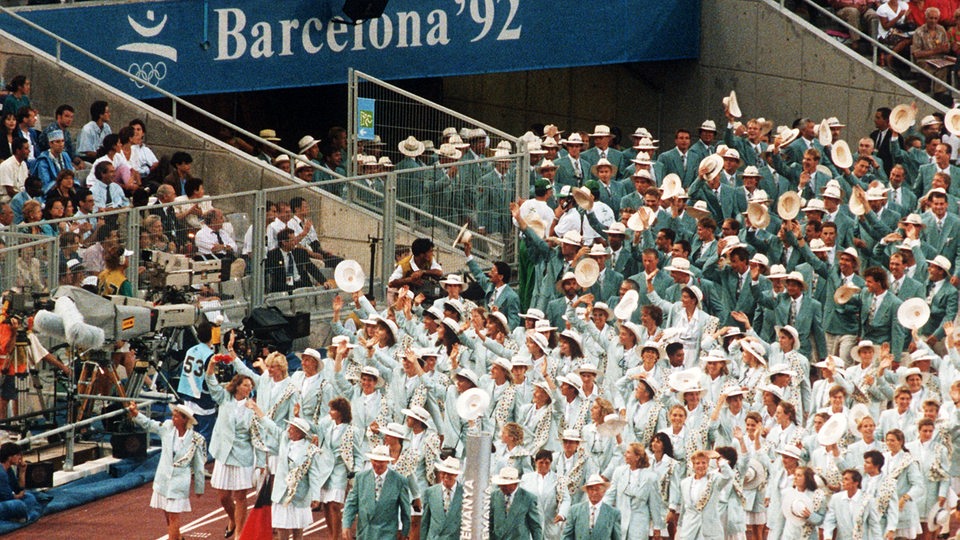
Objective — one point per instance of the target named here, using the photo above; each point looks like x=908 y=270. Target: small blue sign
x=365 y=119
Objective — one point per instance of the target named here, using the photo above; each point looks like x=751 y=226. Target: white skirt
x=287 y=516
x=333 y=495
x=757 y=518
x=231 y=477
x=912 y=531
x=174 y=506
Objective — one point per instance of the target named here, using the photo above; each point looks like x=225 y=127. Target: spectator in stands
x=213 y=238
x=929 y=48
x=337 y=138
x=84 y=214
x=16 y=503
x=271 y=216
x=310 y=147
x=107 y=194
x=64 y=119
x=181 y=163
x=152 y=236
x=53 y=210
x=6 y=216
x=113 y=279
x=93 y=132
x=104 y=237
x=141 y=158
x=19 y=94
x=13 y=170
x=51 y=162
x=124 y=151
x=333 y=160
x=288 y=265
x=282 y=162
x=8 y=128
x=31 y=191
x=190 y=214
x=856 y=13
x=278 y=224
x=419 y=265
x=63 y=188
x=894 y=25
x=26 y=119
x=168 y=214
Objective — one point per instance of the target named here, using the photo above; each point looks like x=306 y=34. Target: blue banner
x=193 y=47
x=365 y=119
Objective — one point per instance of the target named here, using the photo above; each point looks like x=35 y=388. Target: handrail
x=176 y=100
x=876 y=44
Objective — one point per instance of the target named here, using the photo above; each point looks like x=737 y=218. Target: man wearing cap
x=601 y=138
x=679 y=160
x=514 y=512
x=442 y=503
x=941 y=296
x=378 y=496
x=572 y=168
x=50 y=162
x=594 y=518
x=878 y=312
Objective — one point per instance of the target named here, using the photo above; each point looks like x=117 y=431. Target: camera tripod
x=96 y=365
x=22 y=362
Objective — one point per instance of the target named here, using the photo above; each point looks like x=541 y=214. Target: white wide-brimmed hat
x=595 y=480
x=755 y=476
x=411 y=147
x=841 y=155
x=451 y=465
x=793 y=505
x=823 y=133
x=507 y=476
x=951 y=121
x=463 y=236
x=612 y=425
x=380 y=453
x=417 y=413
x=473 y=403
x=845 y=293
x=348 y=276
x=788 y=205
x=587 y=272
x=185 y=411
x=627 y=305
x=913 y=313
x=902 y=117
x=730 y=102
x=642 y=219
x=394 y=429
x=832 y=430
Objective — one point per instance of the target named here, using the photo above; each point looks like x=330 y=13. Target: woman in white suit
x=686 y=316
x=667 y=470
x=183 y=454
x=932 y=458
x=552 y=498
x=635 y=491
x=276 y=395
x=231 y=446
x=700 y=498
x=804 y=525
x=604 y=450
x=901 y=464
x=341 y=444
x=538 y=421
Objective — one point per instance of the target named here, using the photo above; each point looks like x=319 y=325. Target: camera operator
x=192 y=387
x=12 y=367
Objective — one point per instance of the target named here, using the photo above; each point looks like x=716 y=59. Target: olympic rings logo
x=152 y=73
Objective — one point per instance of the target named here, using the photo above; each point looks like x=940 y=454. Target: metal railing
x=875 y=45
x=175 y=101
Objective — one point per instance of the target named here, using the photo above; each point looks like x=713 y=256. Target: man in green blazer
x=593 y=519
x=442 y=503
x=514 y=513
x=377 y=497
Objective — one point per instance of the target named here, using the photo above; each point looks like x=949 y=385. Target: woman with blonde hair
x=636 y=493
x=152 y=237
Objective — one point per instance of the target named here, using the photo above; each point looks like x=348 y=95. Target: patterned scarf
x=858 y=518
x=937 y=472
x=860 y=392
x=574 y=476
x=294 y=476
x=696 y=439
x=819 y=499
x=383 y=418
x=346 y=447
x=647 y=433
x=256 y=436
x=197 y=444
x=504 y=405
x=315 y=417
x=705 y=497
x=542 y=432
x=407 y=461
x=888 y=486
x=665 y=481
x=738 y=487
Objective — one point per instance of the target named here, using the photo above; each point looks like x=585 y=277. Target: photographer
x=192 y=388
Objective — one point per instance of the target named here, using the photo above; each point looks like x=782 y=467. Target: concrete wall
x=781 y=68
x=223 y=168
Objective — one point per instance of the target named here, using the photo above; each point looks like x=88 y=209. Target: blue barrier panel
x=192 y=47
